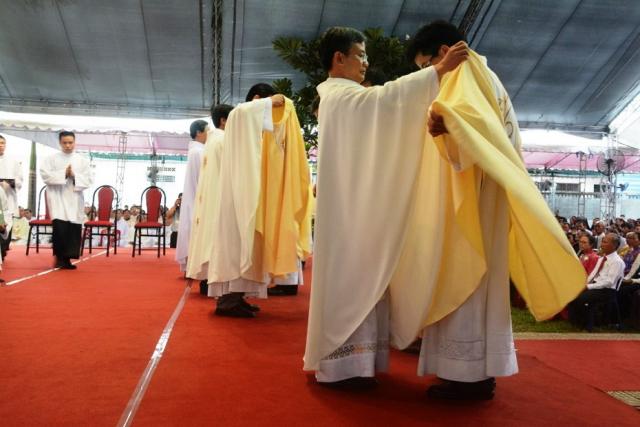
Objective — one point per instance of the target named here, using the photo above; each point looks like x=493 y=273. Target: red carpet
x=607 y=365
x=74 y=345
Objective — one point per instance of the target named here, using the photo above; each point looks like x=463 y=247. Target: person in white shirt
x=603 y=280
x=10 y=182
x=66 y=174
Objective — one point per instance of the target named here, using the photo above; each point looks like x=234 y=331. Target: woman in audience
x=588 y=256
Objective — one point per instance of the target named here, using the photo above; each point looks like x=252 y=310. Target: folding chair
x=156 y=202
x=107 y=195
x=40 y=224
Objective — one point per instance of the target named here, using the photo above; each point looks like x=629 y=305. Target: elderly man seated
x=602 y=281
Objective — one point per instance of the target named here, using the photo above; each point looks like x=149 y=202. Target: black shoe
x=352 y=384
x=204 y=288
x=456 y=390
x=68 y=266
x=251 y=307
x=237 y=311
x=282 y=290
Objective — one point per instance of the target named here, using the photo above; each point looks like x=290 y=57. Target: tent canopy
x=572 y=63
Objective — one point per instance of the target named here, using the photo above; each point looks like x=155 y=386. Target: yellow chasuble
x=283 y=217
x=542 y=263
x=262 y=219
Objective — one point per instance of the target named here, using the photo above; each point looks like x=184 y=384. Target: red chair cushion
x=41 y=222
x=149 y=224
x=99 y=223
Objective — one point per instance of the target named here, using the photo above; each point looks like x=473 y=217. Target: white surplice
x=370 y=151
x=11 y=169
x=65 y=195
x=194 y=162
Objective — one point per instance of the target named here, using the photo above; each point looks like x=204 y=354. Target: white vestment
x=11 y=169
x=239 y=192
x=206 y=202
x=123 y=229
x=8 y=217
x=370 y=152
x=476 y=341
x=194 y=161
x=65 y=195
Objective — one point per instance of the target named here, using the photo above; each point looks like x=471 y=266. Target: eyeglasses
x=362 y=57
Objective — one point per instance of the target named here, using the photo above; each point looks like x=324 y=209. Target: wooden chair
x=42 y=225
x=107 y=195
x=156 y=202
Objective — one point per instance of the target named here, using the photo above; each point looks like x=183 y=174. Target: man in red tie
x=602 y=281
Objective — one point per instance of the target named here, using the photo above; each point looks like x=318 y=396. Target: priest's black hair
x=430 y=37
x=2 y=137
x=219 y=112
x=64 y=133
x=263 y=90
x=337 y=39
x=197 y=126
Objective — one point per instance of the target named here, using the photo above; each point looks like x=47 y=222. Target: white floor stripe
x=138 y=393
x=42 y=273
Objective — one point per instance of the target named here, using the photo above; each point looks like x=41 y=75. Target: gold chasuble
x=262 y=222
x=542 y=263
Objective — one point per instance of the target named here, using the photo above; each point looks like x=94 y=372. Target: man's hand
x=436 y=124
x=277 y=100
x=69 y=172
x=3 y=228
x=455 y=55
x=627 y=281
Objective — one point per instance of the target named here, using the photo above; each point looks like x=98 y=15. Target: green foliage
x=386 y=55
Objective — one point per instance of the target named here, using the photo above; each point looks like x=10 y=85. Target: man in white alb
x=67 y=174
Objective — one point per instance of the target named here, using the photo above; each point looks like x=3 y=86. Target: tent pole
x=32 y=179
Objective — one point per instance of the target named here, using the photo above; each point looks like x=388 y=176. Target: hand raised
x=277 y=100
x=455 y=55
x=435 y=124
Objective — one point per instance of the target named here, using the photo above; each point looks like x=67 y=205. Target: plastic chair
x=40 y=224
x=107 y=195
x=156 y=202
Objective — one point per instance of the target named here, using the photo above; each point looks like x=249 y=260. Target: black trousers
x=173 y=239
x=577 y=308
x=66 y=239
x=4 y=244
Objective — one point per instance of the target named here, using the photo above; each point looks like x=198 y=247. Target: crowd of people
x=610 y=254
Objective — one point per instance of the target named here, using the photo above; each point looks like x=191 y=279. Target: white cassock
x=476 y=341
x=370 y=151
x=65 y=195
x=194 y=162
x=11 y=169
